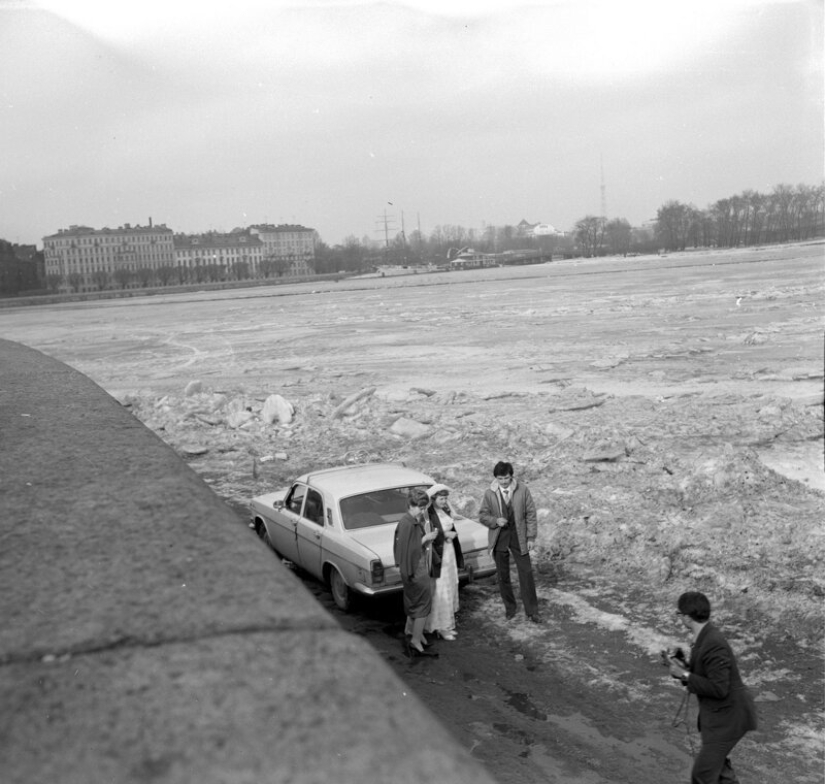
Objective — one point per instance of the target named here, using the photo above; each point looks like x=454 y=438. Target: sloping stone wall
x=146 y=636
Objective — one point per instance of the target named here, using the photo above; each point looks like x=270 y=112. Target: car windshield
x=378 y=507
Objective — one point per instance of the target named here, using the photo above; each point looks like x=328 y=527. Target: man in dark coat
x=509 y=512
x=726 y=708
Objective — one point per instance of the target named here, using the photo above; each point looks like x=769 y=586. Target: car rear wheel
x=341 y=594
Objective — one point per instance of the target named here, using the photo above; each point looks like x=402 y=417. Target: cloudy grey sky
x=215 y=115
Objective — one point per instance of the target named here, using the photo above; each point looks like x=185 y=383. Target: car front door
x=285 y=538
x=310 y=532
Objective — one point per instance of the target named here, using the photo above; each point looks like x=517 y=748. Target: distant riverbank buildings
x=21 y=268
x=81 y=258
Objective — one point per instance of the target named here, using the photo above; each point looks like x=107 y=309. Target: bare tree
x=214 y=272
x=783 y=199
x=165 y=274
x=123 y=277
x=617 y=235
x=677 y=224
x=240 y=270
x=589 y=232
x=100 y=279
x=275 y=265
x=75 y=280
x=144 y=276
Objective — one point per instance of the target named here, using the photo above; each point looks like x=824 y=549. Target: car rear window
x=378 y=507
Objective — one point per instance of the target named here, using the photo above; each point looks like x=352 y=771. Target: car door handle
x=318 y=535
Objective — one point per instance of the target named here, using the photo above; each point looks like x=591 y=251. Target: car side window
x=314 y=507
x=295 y=499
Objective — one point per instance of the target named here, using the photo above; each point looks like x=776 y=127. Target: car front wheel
x=260 y=529
x=341 y=594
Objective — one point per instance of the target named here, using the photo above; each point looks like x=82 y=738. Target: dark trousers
x=526 y=583
x=712 y=765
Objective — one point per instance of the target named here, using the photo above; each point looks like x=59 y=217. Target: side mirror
x=278 y=505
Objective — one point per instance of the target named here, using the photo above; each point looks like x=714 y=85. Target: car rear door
x=310 y=532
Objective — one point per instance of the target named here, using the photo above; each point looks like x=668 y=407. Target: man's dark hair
x=695 y=605
x=503 y=469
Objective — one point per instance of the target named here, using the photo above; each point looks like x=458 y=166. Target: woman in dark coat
x=414 y=537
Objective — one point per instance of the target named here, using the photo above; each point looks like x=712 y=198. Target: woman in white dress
x=441 y=619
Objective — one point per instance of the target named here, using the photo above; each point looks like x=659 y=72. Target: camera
x=673 y=654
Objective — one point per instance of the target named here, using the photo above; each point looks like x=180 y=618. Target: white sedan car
x=339 y=525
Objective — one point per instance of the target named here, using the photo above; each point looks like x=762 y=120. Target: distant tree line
x=419 y=248
x=787 y=214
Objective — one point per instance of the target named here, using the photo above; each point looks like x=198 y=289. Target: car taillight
x=377 y=572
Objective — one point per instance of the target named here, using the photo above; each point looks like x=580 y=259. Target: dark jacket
x=726 y=707
x=407 y=546
x=439 y=542
x=524 y=512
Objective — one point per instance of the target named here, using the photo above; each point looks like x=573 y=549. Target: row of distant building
x=87 y=252
x=80 y=257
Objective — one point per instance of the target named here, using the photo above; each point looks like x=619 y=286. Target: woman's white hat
x=436 y=489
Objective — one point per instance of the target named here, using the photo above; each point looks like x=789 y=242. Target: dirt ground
x=665 y=411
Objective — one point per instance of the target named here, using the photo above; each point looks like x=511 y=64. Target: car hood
x=268 y=501
x=379 y=539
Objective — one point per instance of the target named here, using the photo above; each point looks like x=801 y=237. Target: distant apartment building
x=294 y=244
x=81 y=258
x=237 y=254
x=86 y=258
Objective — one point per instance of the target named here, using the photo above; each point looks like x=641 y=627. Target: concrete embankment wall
x=147 y=637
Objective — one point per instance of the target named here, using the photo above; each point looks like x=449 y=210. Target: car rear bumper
x=477 y=565
x=377 y=590
x=468 y=575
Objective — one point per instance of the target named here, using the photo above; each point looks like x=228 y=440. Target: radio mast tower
x=387 y=221
x=604 y=192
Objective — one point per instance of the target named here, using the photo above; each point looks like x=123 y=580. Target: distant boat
x=469 y=259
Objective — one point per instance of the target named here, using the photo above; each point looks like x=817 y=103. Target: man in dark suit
x=508 y=510
x=726 y=708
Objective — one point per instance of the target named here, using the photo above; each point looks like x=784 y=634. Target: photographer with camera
x=726 y=707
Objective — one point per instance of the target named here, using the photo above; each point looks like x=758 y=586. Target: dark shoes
x=534 y=618
x=412 y=652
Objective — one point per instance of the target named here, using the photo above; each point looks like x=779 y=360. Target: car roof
x=354 y=479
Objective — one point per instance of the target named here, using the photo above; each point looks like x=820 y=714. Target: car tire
x=263 y=535
x=341 y=593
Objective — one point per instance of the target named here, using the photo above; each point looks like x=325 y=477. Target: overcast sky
x=216 y=115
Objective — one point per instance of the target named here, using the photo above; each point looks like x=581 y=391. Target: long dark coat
x=411 y=557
